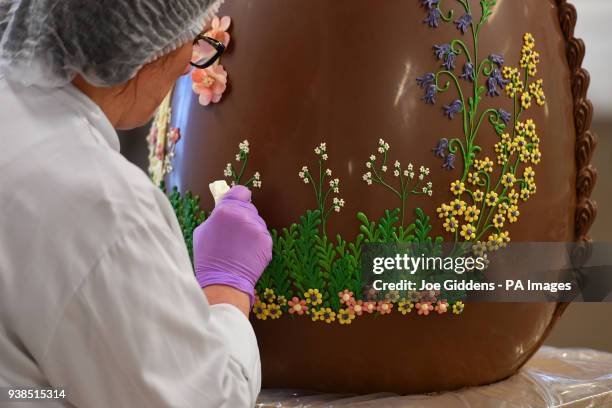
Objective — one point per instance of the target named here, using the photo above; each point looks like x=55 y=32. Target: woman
x=97 y=293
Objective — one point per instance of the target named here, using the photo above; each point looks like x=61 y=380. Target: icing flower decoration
x=327 y=315
x=209 y=84
x=369 y=307
x=297 y=306
x=313 y=297
x=261 y=310
x=346 y=316
x=441 y=307
x=468 y=72
x=269 y=295
x=405 y=307
x=346 y=297
x=219 y=29
x=464 y=22
x=441 y=148
x=274 y=311
x=451 y=110
x=449 y=163
x=458 y=308
x=423 y=309
x=384 y=307
x=357 y=307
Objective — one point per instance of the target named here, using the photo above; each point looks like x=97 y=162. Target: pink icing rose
x=209 y=83
x=219 y=29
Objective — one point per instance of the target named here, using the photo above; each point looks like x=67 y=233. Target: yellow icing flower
x=503 y=207
x=405 y=307
x=500 y=148
x=269 y=295
x=509 y=72
x=499 y=220
x=346 y=316
x=444 y=210
x=491 y=199
x=274 y=311
x=529 y=174
x=479 y=248
x=471 y=214
x=513 y=214
x=281 y=300
x=473 y=178
x=458 y=207
x=315 y=314
x=513 y=196
x=536 y=156
x=468 y=232
x=505 y=138
x=458 y=308
x=526 y=100
x=457 y=188
x=493 y=242
x=504 y=239
x=520 y=128
x=327 y=315
x=519 y=143
x=529 y=128
x=451 y=224
x=313 y=297
x=528 y=40
x=525 y=194
x=478 y=196
x=261 y=310
x=485 y=165
x=508 y=180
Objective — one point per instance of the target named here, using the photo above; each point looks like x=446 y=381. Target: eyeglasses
x=206 y=51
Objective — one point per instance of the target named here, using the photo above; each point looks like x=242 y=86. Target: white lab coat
x=97 y=292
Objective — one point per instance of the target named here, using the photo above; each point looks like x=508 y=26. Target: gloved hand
x=233 y=246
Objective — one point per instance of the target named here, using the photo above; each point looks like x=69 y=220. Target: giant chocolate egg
x=385 y=121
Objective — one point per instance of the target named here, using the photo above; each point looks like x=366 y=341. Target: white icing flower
x=369 y=165
x=328 y=172
x=396 y=173
x=218 y=189
x=397 y=164
x=384 y=168
x=410 y=167
x=324 y=156
x=227 y=172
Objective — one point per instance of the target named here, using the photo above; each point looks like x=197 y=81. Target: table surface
x=568 y=378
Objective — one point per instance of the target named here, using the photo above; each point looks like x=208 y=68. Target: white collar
x=94 y=115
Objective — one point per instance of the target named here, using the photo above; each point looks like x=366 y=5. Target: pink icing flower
x=219 y=29
x=424 y=308
x=175 y=135
x=209 y=83
x=346 y=297
x=442 y=307
x=384 y=307
x=369 y=307
x=297 y=306
x=358 y=308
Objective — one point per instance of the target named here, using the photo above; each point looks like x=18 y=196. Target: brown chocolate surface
x=343 y=72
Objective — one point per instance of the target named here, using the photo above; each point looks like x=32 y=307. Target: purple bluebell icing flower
x=430 y=95
x=451 y=110
x=441 y=50
x=497 y=59
x=497 y=75
x=504 y=116
x=492 y=87
x=433 y=17
x=468 y=72
x=449 y=61
x=441 y=148
x=449 y=163
x=426 y=80
x=464 y=22
x=429 y=3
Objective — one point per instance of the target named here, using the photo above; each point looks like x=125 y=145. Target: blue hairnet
x=48 y=42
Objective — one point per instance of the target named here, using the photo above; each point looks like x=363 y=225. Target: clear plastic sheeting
x=552 y=378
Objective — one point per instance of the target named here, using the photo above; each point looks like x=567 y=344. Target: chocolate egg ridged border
x=586 y=140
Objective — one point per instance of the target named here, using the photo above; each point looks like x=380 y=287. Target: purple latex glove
x=233 y=246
